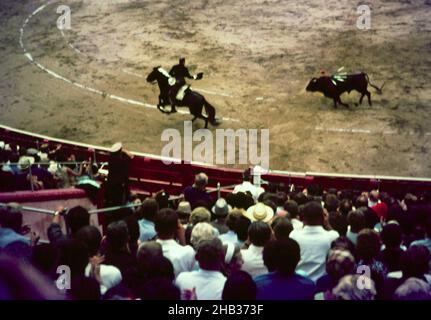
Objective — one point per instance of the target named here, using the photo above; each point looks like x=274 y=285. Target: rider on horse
x=180 y=72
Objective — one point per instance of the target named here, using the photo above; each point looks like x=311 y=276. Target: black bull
x=358 y=82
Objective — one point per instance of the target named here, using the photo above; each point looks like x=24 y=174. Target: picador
x=178 y=90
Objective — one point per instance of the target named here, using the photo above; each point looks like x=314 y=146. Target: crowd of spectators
x=45 y=168
x=260 y=244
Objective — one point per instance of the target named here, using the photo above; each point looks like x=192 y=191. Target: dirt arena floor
x=257 y=57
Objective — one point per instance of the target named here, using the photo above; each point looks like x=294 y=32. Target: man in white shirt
x=259 y=233
x=246 y=185
x=208 y=282
x=314 y=241
x=167 y=226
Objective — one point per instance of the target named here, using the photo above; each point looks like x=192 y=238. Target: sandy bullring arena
x=87 y=83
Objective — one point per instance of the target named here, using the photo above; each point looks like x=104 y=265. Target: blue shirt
x=275 y=286
x=146 y=230
x=8 y=236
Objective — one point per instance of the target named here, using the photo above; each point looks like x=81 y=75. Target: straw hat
x=260 y=212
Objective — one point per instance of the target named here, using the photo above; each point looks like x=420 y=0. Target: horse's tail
x=379 y=90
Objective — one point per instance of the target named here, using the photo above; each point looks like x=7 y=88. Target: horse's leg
x=171 y=101
x=160 y=104
x=210 y=111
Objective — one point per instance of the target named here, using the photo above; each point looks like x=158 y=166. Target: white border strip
x=366 y=131
x=81 y=86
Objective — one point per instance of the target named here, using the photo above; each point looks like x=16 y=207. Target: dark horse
x=193 y=100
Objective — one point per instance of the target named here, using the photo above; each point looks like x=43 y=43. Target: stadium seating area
x=193 y=231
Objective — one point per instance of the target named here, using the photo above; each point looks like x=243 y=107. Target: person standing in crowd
x=184 y=210
x=200 y=232
x=232 y=222
x=413 y=289
x=259 y=233
x=284 y=283
x=147 y=215
x=367 y=249
x=208 y=282
x=117 y=184
x=76 y=218
x=427 y=241
x=248 y=186
x=356 y=221
x=117 y=249
x=348 y=289
x=292 y=209
x=110 y=276
x=414 y=263
x=392 y=247
x=239 y=286
x=169 y=229
x=340 y=262
x=371 y=218
x=314 y=241
x=11 y=227
x=196 y=194
x=282 y=227
x=220 y=212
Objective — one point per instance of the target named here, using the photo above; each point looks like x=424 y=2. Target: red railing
x=148 y=173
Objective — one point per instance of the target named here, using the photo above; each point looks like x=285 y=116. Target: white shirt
x=314 y=242
x=248 y=186
x=253 y=261
x=297 y=224
x=182 y=257
x=229 y=237
x=209 y=285
x=110 y=276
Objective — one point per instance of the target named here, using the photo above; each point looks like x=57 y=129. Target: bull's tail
x=379 y=90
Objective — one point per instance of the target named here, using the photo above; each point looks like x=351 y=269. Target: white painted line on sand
x=367 y=131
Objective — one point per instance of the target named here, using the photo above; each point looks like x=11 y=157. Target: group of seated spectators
x=44 y=168
x=253 y=244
